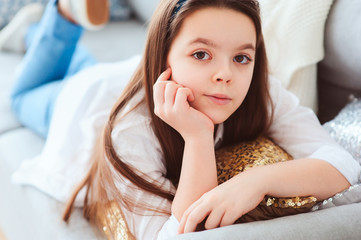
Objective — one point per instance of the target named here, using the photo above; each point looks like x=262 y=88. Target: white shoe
x=91 y=14
x=12 y=36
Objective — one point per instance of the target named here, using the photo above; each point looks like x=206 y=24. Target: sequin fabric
x=345 y=128
x=113 y=222
x=262 y=151
x=295 y=202
x=230 y=161
x=348 y=196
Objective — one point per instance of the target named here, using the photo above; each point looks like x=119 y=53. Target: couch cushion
x=9 y=63
x=18 y=144
x=7 y=121
x=341 y=64
x=117 y=41
x=329 y=224
x=26 y=207
x=340 y=72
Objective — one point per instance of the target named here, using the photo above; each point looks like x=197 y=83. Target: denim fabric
x=51 y=58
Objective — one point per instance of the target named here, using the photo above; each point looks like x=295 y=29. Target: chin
x=217 y=117
x=218 y=120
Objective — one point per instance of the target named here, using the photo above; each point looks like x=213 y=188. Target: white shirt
x=82 y=109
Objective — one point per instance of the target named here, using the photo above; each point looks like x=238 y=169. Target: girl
x=202 y=84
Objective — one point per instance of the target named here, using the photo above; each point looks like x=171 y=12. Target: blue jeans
x=53 y=55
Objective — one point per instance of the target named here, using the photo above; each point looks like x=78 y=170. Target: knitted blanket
x=293 y=32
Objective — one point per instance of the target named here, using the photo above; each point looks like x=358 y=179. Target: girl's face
x=213 y=55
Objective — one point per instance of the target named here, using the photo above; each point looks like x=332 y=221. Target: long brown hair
x=250 y=120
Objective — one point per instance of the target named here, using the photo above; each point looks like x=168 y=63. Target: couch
x=26 y=213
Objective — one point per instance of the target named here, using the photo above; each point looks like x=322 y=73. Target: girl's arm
x=226 y=203
x=302 y=177
x=298 y=131
x=198 y=173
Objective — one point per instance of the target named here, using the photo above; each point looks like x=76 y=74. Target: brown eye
x=201 y=55
x=243 y=59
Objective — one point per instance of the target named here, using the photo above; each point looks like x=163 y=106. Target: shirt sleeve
x=137 y=145
x=170 y=228
x=298 y=131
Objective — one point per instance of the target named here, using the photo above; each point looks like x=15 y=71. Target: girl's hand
x=225 y=203
x=171 y=104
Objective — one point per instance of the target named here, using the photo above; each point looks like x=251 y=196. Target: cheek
x=244 y=84
x=177 y=69
x=185 y=74
x=248 y=76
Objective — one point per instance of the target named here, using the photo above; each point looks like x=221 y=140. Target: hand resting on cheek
x=172 y=105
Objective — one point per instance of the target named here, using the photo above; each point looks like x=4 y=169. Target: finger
x=214 y=218
x=170 y=94
x=183 y=96
x=165 y=76
x=196 y=216
x=190 y=96
x=185 y=216
x=158 y=93
x=182 y=223
x=159 y=86
x=229 y=218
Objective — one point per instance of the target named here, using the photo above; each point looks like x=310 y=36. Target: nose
x=223 y=80
x=223 y=74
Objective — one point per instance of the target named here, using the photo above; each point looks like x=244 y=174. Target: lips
x=219 y=99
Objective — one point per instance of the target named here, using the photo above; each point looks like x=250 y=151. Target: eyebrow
x=213 y=44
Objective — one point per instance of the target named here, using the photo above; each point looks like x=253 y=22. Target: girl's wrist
x=199 y=137
x=258 y=178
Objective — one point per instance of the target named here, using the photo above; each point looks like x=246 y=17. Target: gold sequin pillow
x=112 y=223
x=262 y=151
